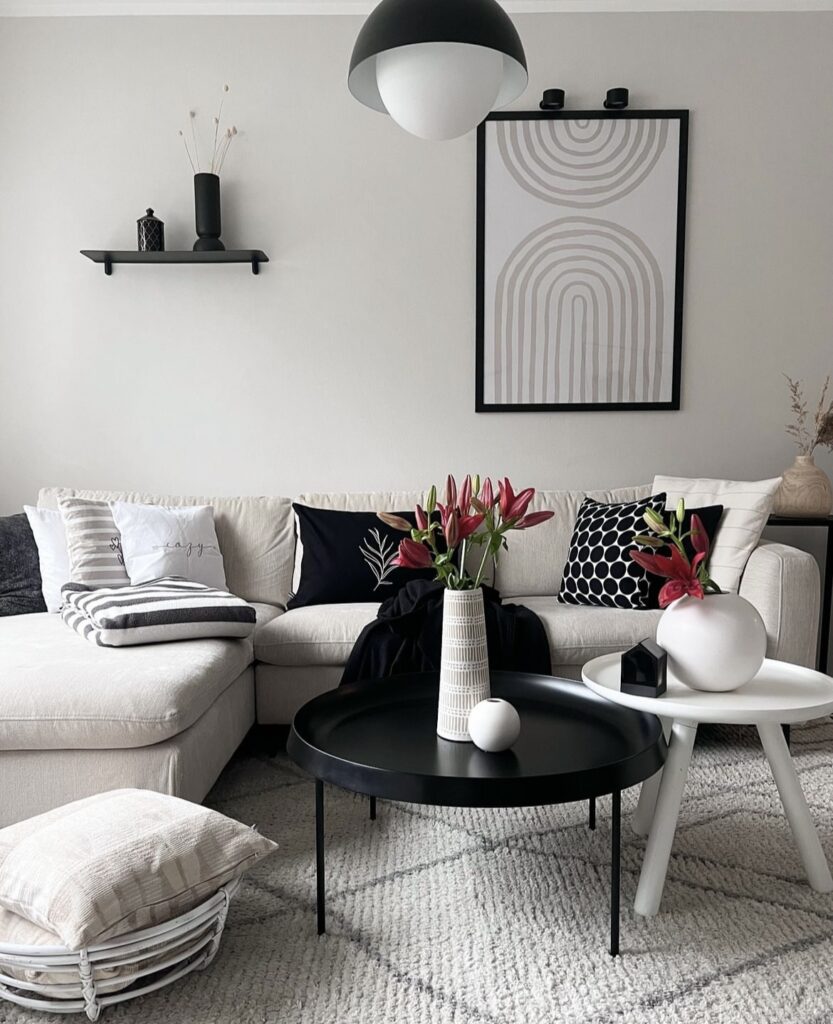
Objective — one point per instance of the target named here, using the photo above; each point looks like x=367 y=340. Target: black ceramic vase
x=207 y=213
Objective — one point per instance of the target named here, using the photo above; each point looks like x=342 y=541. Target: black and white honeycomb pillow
x=599 y=570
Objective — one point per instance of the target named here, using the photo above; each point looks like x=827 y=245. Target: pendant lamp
x=437 y=66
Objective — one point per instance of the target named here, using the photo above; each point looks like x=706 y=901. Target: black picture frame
x=682 y=116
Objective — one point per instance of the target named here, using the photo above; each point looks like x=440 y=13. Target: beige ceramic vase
x=805 y=490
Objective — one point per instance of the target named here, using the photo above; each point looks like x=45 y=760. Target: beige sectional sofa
x=77 y=719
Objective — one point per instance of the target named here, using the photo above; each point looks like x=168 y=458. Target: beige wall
x=350 y=361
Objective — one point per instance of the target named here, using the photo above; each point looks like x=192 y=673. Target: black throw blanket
x=407 y=636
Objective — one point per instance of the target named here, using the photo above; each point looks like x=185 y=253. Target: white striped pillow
x=746 y=508
x=93 y=543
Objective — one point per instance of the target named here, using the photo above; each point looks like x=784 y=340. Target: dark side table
x=380 y=738
x=824 y=523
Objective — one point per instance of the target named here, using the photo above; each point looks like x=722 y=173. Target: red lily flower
x=487 y=494
x=682 y=575
x=513 y=506
x=467 y=525
x=413 y=555
x=533 y=519
x=505 y=496
x=421 y=518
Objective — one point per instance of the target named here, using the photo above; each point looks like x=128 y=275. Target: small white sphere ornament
x=494 y=724
x=717 y=643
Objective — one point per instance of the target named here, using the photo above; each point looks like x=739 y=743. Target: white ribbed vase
x=464 y=665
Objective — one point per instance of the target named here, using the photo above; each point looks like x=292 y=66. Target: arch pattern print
x=581 y=163
x=579 y=317
x=580 y=249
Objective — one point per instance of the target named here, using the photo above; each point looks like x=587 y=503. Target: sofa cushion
x=256 y=536
x=321 y=634
x=578 y=633
x=58 y=691
x=535 y=559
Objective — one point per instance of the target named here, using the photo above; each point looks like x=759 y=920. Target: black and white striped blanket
x=170 y=608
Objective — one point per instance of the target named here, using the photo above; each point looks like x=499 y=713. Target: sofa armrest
x=783 y=584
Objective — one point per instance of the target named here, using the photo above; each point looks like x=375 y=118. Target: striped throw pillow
x=93 y=543
x=155 y=612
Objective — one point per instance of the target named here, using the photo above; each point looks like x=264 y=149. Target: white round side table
x=780 y=694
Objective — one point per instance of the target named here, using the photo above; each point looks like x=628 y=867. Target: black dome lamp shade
x=437 y=66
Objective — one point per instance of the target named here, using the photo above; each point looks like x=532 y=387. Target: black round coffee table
x=379 y=738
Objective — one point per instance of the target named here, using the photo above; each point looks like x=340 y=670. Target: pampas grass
x=808 y=438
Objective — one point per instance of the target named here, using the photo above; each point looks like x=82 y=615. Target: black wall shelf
x=110 y=256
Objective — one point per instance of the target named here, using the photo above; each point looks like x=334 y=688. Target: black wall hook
x=616 y=99
x=552 y=99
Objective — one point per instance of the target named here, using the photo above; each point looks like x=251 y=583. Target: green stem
x=478 y=579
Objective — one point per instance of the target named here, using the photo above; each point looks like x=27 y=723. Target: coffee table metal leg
x=373 y=808
x=319 y=855
x=795 y=806
x=661 y=839
x=591 y=814
x=615 y=870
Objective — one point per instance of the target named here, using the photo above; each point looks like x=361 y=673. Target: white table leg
x=795 y=806
x=644 y=813
x=648 y=792
x=658 y=850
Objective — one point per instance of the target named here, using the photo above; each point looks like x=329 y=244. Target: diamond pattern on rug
x=463 y=916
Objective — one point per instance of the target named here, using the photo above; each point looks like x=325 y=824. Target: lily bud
x=681 y=510
x=654 y=521
x=395 y=522
x=421 y=518
x=450 y=491
x=431 y=504
x=648 y=542
x=464 y=499
x=452 y=532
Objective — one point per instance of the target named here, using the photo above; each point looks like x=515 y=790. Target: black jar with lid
x=151 y=233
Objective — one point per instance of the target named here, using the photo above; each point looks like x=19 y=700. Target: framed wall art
x=580 y=246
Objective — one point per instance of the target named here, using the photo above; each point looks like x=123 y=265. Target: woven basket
x=122 y=968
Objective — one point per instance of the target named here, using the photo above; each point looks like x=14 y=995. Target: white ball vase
x=494 y=725
x=717 y=643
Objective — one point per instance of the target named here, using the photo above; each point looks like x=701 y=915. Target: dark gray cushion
x=20 y=586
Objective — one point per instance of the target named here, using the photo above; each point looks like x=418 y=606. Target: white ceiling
x=74 y=8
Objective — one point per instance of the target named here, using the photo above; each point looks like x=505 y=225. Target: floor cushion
x=120 y=861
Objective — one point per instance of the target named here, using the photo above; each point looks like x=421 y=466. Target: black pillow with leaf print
x=347 y=557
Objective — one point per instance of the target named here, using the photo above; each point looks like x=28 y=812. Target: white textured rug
x=454 y=916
